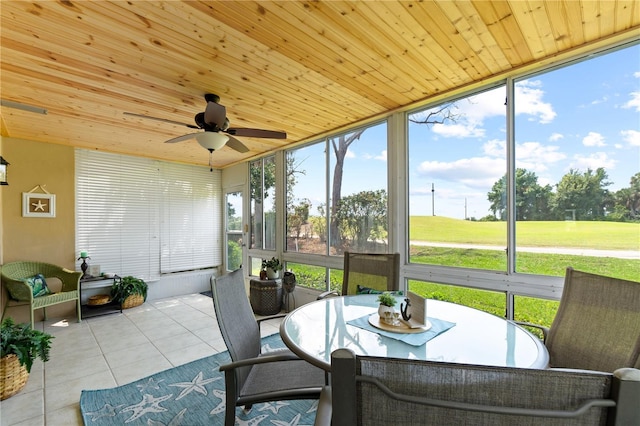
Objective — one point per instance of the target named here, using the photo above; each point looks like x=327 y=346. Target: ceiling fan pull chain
x=210 y=159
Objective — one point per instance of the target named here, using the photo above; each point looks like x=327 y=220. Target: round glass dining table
x=314 y=330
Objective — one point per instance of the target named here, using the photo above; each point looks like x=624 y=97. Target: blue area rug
x=191 y=394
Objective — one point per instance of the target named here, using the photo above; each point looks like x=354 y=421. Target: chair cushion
x=367 y=290
x=38 y=285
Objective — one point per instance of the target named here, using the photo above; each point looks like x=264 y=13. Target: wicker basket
x=99 y=299
x=132 y=301
x=13 y=376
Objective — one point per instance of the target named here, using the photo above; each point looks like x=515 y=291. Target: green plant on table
x=128 y=286
x=387 y=299
x=27 y=344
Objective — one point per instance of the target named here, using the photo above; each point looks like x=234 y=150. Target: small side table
x=104 y=285
x=265 y=296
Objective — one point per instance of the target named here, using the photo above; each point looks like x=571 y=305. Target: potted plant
x=20 y=346
x=387 y=303
x=273 y=268
x=129 y=292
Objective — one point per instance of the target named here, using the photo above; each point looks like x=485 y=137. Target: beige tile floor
x=112 y=350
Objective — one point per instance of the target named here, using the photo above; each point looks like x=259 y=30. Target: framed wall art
x=38 y=205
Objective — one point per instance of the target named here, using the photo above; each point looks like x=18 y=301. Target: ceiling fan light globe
x=212 y=140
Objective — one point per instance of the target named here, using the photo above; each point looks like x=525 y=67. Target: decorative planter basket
x=13 y=376
x=132 y=301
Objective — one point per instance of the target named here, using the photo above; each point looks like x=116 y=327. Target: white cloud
x=529 y=101
x=350 y=154
x=477 y=172
x=532 y=156
x=537 y=157
x=593 y=161
x=600 y=101
x=632 y=137
x=495 y=148
x=471 y=114
x=634 y=102
x=555 y=137
x=382 y=156
x=458 y=130
x=593 y=139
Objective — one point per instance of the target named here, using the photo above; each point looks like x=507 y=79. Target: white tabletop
x=314 y=330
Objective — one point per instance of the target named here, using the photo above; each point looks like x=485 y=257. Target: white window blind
x=191 y=218
x=124 y=214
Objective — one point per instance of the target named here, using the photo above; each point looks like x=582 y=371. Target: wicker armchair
x=387 y=391
x=14 y=273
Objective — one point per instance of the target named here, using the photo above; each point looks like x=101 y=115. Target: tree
x=445 y=113
x=532 y=200
x=362 y=219
x=627 y=201
x=340 y=147
x=297 y=217
x=584 y=194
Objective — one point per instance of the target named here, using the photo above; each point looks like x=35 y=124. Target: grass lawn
x=591 y=235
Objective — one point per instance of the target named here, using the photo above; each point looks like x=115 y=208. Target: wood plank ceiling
x=304 y=67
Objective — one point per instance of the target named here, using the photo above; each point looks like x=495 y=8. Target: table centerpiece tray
x=400 y=327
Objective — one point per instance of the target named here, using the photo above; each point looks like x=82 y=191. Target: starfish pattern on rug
x=274 y=407
x=221 y=406
x=153 y=401
x=107 y=410
x=195 y=385
x=152 y=384
x=314 y=406
x=294 y=422
x=149 y=404
x=251 y=422
x=176 y=421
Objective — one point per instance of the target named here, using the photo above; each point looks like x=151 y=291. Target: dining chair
x=252 y=376
x=367 y=273
x=381 y=391
x=597 y=326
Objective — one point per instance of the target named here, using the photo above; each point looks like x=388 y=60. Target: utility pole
x=433 y=198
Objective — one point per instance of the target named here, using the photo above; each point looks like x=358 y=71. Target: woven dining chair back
x=597 y=326
x=380 y=272
x=389 y=391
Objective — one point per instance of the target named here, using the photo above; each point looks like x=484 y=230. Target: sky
x=586 y=115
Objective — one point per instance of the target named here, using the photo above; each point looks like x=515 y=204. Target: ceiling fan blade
x=164 y=120
x=215 y=114
x=183 y=137
x=235 y=144
x=256 y=133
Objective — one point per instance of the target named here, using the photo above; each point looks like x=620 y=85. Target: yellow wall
x=44 y=239
x=49 y=240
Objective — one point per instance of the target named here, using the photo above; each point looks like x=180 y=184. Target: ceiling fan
x=217 y=132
